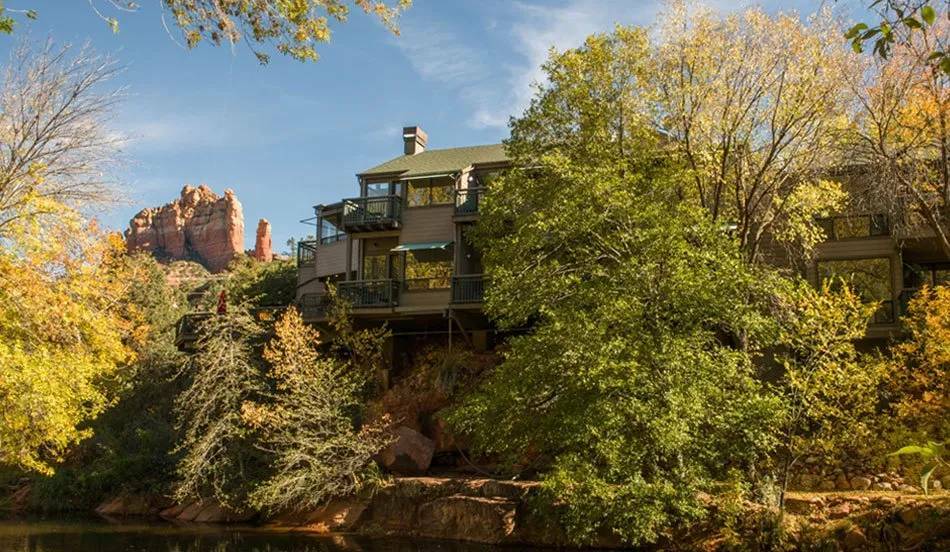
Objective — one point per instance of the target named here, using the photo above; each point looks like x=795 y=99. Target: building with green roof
x=396 y=249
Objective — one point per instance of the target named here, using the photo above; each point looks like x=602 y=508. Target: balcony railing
x=846 y=227
x=313 y=305
x=467 y=201
x=468 y=288
x=362 y=214
x=370 y=293
x=188 y=328
x=306 y=253
x=430 y=283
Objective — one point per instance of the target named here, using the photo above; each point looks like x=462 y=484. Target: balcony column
x=349 y=257
x=456 y=269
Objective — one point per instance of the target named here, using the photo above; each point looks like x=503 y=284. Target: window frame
x=888 y=302
x=429 y=185
x=446 y=278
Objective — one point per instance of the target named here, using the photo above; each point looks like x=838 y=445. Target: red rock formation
x=262 y=243
x=199 y=226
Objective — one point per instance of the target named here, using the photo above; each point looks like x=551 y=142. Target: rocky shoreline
x=492 y=511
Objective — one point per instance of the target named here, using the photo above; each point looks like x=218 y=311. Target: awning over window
x=425 y=246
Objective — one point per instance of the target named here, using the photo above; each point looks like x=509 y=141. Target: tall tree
x=625 y=394
x=64 y=333
x=56 y=146
x=903 y=133
x=219 y=458
x=829 y=396
x=310 y=423
x=755 y=104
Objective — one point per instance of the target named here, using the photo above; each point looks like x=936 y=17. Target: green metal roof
x=440 y=161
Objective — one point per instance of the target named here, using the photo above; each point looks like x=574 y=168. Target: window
x=430 y=191
x=329 y=232
x=854 y=226
x=378 y=189
x=484 y=178
x=429 y=269
x=376 y=267
x=870 y=278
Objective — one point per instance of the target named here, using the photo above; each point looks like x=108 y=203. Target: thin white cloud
x=439 y=55
x=539 y=28
x=498 y=91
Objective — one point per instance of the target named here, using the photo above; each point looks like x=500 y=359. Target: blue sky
x=289 y=135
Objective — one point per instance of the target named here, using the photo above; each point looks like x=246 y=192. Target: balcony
x=847 y=227
x=370 y=293
x=313 y=305
x=370 y=214
x=468 y=289
x=467 y=200
x=306 y=254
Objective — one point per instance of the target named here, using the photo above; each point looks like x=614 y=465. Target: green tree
x=219 y=458
x=309 y=424
x=625 y=393
x=828 y=393
x=256 y=284
x=131 y=442
x=292 y=28
x=917 y=384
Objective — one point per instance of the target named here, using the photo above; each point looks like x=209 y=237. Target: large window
x=376 y=267
x=920 y=275
x=428 y=269
x=380 y=189
x=430 y=191
x=870 y=278
x=854 y=226
x=484 y=178
x=329 y=232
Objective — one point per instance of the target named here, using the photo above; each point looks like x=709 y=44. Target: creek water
x=100 y=535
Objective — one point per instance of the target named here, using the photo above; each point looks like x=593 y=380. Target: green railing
x=370 y=293
x=307 y=253
x=467 y=201
x=430 y=283
x=313 y=305
x=468 y=288
x=371 y=213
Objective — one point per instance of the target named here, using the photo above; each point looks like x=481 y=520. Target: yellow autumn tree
x=754 y=105
x=65 y=330
x=903 y=132
x=918 y=381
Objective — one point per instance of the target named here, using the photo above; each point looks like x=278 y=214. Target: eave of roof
x=439 y=161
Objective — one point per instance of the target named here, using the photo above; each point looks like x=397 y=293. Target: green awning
x=425 y=246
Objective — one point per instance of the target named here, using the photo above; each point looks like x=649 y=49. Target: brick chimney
x=414 y=140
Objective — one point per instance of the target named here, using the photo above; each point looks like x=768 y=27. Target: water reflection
x=100 y=536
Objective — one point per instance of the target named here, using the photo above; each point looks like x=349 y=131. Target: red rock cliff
x=199 y=226
x=262 y=242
